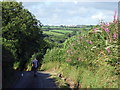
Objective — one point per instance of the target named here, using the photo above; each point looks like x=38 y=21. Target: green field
x=63 y=31
x=66 y=28
x=52 y=33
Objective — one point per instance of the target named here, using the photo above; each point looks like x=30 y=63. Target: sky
x=71 y=12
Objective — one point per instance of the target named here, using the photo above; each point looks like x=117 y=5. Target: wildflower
x=73 y=44
x=93 y=32
x=106 y=29
x=108 y=50
x=69 y=51
x=90 y=42
x=115 y=17
x=102 y=27
x=81 y=37
x=78 y=59
x=107 y=24
x=86 y=40
x=114 y=35
x=95 y=29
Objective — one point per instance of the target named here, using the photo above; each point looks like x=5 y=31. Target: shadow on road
x=28 y=80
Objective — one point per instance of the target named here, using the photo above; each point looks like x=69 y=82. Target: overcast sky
x=72 y=13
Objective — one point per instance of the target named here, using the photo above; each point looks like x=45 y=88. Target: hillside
x=58 y=34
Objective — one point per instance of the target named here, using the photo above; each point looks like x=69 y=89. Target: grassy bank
x=83 y=77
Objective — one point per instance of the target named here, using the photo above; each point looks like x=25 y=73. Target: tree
x=21 y=31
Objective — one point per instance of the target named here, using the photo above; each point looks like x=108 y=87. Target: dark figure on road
x=35 y=66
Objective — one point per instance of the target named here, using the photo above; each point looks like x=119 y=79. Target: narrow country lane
x=42 y=80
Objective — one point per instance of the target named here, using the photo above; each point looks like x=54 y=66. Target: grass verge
x=82 y=77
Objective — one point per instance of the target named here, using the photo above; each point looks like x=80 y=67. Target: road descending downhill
x=42 y=80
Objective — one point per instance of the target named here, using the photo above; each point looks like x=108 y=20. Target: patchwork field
x=52 y=33
x=58 y=30
x=62 y=31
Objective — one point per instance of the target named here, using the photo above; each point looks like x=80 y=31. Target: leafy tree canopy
x=21 y=31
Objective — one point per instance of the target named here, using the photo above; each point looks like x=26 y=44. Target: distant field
x=51 y=27
x=62 y=27
x=63 y=31
x=58 y=30
x=52 y=33
x=73 y=28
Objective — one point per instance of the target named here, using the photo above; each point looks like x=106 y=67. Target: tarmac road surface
x=28 y=80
